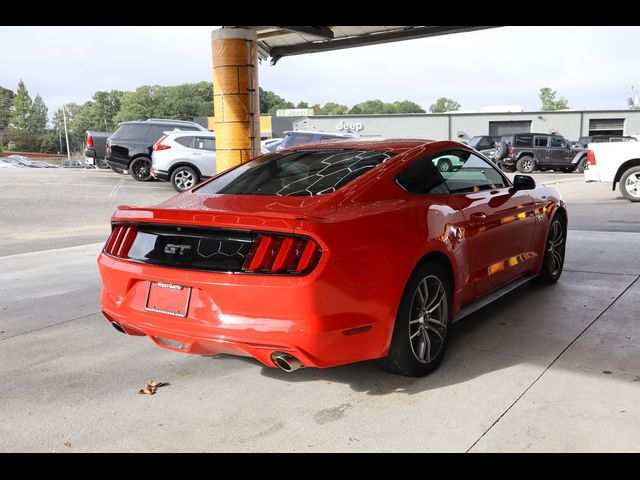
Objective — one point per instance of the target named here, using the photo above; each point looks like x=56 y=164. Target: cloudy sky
x=593 y=67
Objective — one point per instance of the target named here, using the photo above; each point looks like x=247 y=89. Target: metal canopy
x=282 y=41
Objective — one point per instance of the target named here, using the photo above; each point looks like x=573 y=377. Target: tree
x=6 y=102
x=549 y=102
x=444 y=104
x=270 y=102
x=331 y=108
x=22 y=106
x=302 y=105
x=368 y=107
x=407 y=106
x=39 y=116
x=105 y=107
x=139 y=105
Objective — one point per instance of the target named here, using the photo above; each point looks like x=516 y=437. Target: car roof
x=316 y=132
x=396 y=145
x=158 y=121
x=189 y=133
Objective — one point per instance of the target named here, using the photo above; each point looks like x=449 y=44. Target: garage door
x=606 y=126
x=506 y=128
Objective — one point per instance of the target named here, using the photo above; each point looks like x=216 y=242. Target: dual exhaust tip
x=286 y=362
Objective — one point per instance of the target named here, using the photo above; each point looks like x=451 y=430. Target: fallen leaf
x=151 y=387
x=67 y=444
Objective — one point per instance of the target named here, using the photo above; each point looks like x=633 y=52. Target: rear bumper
x=591 y=173
x=310 y=317
x=160 y=174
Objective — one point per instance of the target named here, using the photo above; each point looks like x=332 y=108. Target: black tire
x=183 y=178
x=568 y=170
x=581 y=164
x=445 y=165
x=526 y=164
x=501 y=150
x=140 y=169
x=429 y=330
x=116 y=170
x=554 y=251
x=630 y=184
x=101 y=163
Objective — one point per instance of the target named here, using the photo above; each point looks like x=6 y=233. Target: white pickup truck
x=617 y=162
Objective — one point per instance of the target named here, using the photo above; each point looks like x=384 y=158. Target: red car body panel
x=372 y=235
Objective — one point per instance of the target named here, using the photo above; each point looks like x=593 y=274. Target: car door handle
x=478 y=217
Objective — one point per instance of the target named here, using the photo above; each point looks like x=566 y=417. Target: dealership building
x=463 y=125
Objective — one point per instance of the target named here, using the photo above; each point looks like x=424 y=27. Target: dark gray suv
x=541 y=151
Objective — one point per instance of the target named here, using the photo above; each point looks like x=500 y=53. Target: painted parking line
x=114 y=192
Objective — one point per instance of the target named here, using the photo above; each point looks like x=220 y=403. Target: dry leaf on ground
x=151 y=387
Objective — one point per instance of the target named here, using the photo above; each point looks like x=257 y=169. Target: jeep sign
x=350 y=126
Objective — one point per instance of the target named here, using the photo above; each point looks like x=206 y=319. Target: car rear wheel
x=445 y=165
x=183 y=178
x=554 y=250
x=526 y=164
x=101 y=163
x=581 y=165
x=141 y=169
x=630 y=184
x=421 y=329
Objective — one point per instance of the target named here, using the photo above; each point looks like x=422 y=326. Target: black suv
x=541 y=151
x=130 y=147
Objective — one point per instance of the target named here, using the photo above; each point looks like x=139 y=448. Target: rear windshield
x=299 y=173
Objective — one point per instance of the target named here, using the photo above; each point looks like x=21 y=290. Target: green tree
x=549 y=101
x=22 y=107
x=332 y=108
x=39 y=116
x=407 y=106
x=369 y=107
x=139 y=105
x=444 y=104
x=270 y=102
x=183 y=102
x=6 y=102
x=105 y=107
x=302 y=105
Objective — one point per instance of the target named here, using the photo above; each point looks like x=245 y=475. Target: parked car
x=129 y=148
x=331 y=253
x=42 y=164
x=75 y=164
x=618 y=163
x=22 y=160
x=541 y=151
x=4 y=163
x=483 y=142
x=300 y=137
x=95 y=147
x=270 y=144
x=584 y=141
x=184 y=158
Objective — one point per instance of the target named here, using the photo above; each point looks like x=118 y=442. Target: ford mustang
x=331 y=253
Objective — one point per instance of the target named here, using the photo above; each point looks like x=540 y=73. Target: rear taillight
x=281 y=254
x=120 y=241
x=89 y=141
x=159 y=145
x=591 y=157
x=511 y=152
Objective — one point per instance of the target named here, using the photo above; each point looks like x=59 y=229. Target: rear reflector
x=591 y=157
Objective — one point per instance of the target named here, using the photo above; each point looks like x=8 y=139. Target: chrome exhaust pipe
x=286 y=362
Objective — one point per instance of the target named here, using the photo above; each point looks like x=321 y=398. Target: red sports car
x=331 y=253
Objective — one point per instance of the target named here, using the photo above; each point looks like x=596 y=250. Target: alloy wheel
x=632 y=184
x=142 y=169
x=555 y=247
x=428 y=319
x=184 y=180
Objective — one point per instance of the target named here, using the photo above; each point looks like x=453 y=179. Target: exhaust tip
x=118 y=327
x=286 y=362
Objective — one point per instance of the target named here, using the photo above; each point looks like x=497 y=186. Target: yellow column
x=235 y=96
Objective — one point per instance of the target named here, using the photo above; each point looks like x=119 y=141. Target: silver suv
x=184 y=158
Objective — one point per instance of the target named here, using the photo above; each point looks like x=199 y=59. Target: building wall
x=462 y=126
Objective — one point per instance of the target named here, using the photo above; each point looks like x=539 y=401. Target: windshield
x=474 y=141
x=298 y=173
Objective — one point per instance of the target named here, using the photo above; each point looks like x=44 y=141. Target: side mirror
x=523 y=182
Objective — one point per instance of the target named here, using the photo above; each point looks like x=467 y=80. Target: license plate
x=168 y=299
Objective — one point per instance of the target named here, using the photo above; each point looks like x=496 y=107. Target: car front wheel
x=554 y=250
x=183 y=178
x=141 y=169
x=581 y=165
x=630 y=184
x=421 y=329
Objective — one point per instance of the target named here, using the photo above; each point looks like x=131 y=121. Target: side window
x=186 y=141
x=558 y=142
x=523 y=141
x=155 y=132
x=298 y=139
x=540 y=141
x=464 y=172
x=205 y=143
x=422 y=177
